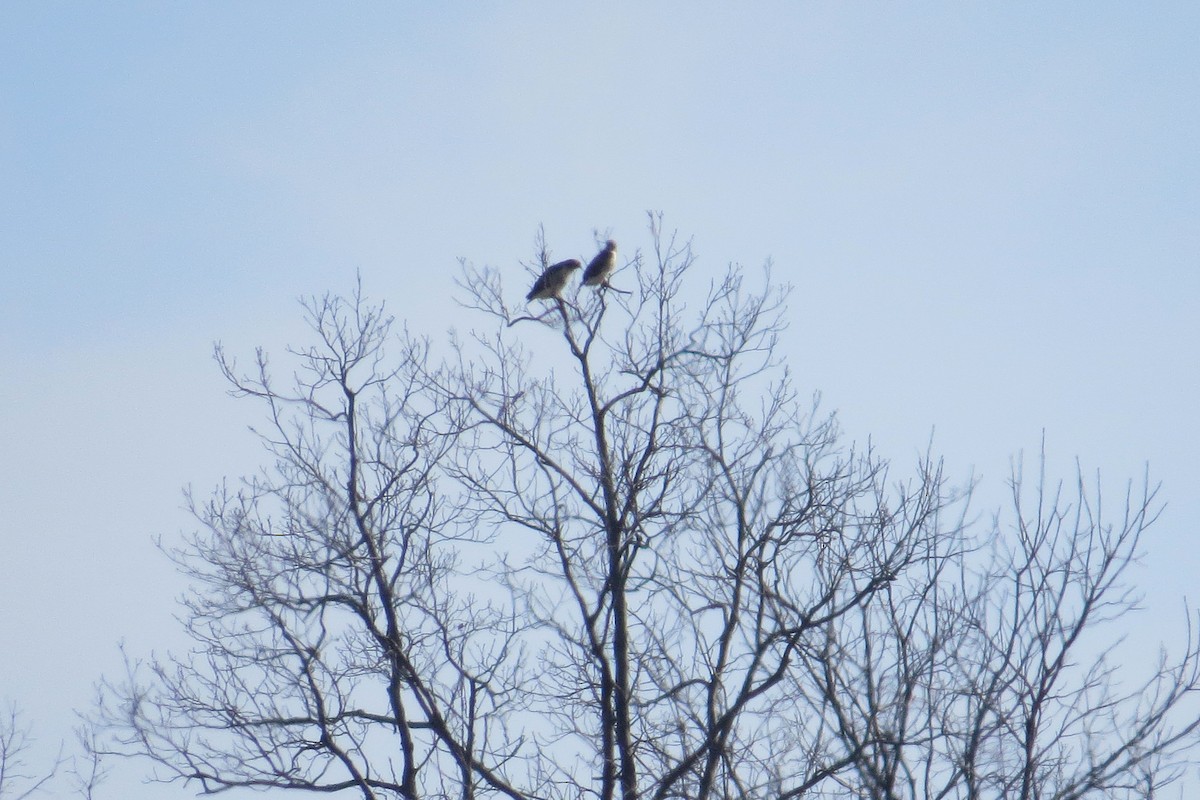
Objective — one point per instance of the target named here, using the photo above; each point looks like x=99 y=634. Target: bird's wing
x=538 y=286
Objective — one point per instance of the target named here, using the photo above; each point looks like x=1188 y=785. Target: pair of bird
x=551 y=282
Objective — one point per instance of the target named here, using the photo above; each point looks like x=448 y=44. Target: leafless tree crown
x=607 y=550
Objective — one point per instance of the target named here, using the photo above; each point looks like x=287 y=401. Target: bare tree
x=332 y=651
x=992 y=674
x=18 y=779
x=609 y=551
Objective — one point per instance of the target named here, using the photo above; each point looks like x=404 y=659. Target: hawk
x=553 y=280
x=601 y=266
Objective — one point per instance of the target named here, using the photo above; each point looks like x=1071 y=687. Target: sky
x=989 y=214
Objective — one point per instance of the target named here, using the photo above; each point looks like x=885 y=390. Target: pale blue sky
x=990 y=213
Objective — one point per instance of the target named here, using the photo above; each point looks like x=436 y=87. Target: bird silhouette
x=601 y=266
x=552 y=281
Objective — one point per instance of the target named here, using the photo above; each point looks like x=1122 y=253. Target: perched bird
x=601 y=266
x=553 y=280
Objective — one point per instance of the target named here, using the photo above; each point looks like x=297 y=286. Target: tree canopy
x=607 y=547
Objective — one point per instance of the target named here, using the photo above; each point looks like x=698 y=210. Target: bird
x=601 y=266
x=552 y=281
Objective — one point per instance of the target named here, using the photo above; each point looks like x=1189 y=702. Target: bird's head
x=610 y=245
